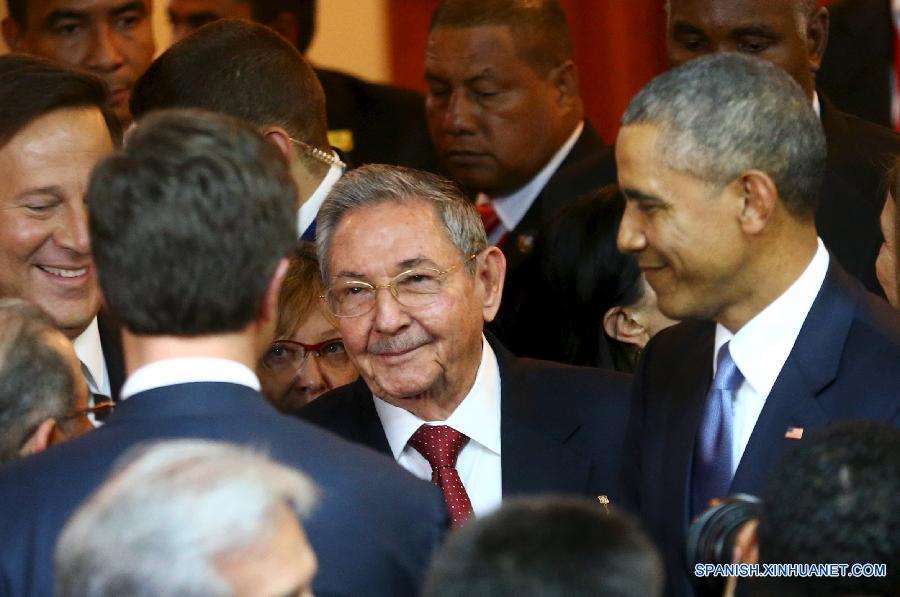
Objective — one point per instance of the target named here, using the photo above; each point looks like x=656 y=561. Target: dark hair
x=31 y=87
x=588 y=276
x=241 y=69
x=36 y=383
x=18 y=11
x=546 y=547
x=833 y=499
x=188 y=223
x=304 y=11
x=538 y=26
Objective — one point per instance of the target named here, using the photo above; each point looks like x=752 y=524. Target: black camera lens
x=711 y=537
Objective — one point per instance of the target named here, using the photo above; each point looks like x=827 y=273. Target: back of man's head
x=241 y=69
x=725 y=114
x=189 y=222
x=546 y=547
x=38 y=382
x=538 y=26
x=189 y=518
x=833 y=500
x=31 y=87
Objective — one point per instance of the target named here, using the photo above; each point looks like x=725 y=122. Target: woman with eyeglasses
x=307 y=357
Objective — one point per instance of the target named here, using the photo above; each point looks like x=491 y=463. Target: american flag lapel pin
x=794 y=433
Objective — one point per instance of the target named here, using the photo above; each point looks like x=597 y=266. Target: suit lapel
x=686 y=398
x=535 y=457
x=794 y=400
x=111 y=343
x=369 y=431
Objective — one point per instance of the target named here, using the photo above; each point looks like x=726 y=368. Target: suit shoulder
x=578 y=384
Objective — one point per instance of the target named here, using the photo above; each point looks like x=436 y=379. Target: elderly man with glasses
x=411 y=280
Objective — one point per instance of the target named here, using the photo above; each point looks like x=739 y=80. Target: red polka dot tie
x=440 y=445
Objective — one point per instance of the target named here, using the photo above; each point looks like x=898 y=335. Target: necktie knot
x=728 y=376
x=439 y=444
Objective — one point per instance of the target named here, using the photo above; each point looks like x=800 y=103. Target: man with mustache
x=56 y=125
x=505 y=114
x=110 y=38
x=721 y=162
x=411 y=280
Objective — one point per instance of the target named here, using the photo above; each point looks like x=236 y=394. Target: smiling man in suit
x=793 y=35
x=190 y=225
x=412 y=280
x=56 y=125
x=721 y=163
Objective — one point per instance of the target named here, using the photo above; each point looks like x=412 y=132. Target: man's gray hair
x=36 y=382
x=725 y=114
x=156 y=525
x=378 y=183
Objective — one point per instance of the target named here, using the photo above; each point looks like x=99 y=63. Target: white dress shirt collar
x=761 y=347
x=512 y=208
x=170 y=372
x=306 y=215
x=89 y=350
x=816 y=106
x=477 y=416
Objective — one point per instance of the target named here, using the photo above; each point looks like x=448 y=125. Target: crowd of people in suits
x=268 y=329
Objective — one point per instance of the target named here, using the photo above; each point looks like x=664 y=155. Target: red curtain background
x=619 y=46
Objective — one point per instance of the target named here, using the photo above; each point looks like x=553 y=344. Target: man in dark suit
x=57 y=126
x=857 y=71
x=368 y=122
x=429 y=375
x=793 y=35
x=720 y=161
x=246 y=70
x=506 y=117
x=189 y=226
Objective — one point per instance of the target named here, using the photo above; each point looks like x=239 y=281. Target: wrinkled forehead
x=734 y=15
x=39 y=10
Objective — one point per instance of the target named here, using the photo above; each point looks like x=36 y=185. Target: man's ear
x=490 y=273
x=13 y=35
x=620 y=325
x=564 y=79
x=268 y=309
x=759 y=199
x=40 y=440
x=817 y=38
x=282 y=140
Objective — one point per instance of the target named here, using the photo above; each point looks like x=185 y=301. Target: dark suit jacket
x=387 y=123
x=527 y=322
x=561 y=427
x=859 y=155
x=843 y=366
x=111 y=342
x=856 y=71
x=373 y=531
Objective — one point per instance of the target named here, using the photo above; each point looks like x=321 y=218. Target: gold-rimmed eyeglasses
x=417 y=287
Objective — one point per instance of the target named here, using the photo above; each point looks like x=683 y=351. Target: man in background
x=56 y=125
x=191 y=517
x=506 y=116
x=368 y=122
x=43 y=396
x=247 y=71
x=111 y=38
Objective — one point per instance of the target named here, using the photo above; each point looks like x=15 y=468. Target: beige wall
x=352 y=36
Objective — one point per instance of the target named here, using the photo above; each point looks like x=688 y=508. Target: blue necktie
x=711 y=473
